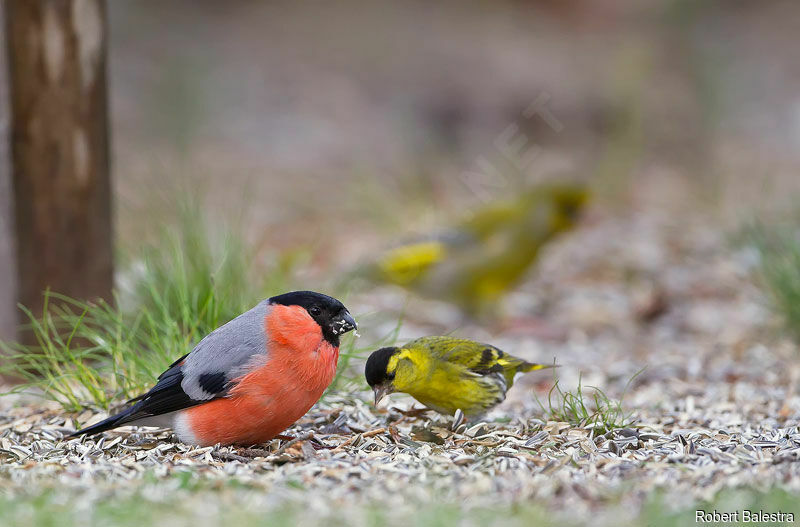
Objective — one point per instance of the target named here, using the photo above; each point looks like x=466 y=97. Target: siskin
x=446 y=373
x=476 y=262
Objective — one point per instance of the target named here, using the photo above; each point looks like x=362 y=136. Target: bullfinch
x=249 y=379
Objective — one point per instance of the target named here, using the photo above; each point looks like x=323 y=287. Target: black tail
x=107 y=424
x=165 y=397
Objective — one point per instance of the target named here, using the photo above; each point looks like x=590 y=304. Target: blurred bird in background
x=477 y=261
x=446 y=373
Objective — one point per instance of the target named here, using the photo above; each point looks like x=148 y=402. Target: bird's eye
x=315 y=310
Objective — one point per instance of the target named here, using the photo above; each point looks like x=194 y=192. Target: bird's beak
x=343 y=323
x=381 y=391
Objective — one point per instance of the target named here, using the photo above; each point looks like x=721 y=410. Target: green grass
x=594 y=410
x=779 y=270
x=186 y=500
x=190 y=281
x=225 y=508
x=657 y=512
x=198 y=277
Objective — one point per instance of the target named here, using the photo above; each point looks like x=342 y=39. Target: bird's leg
x=315 y=442
x=412 y=412
x=254 y=451
x=304 y=437
x=394 y=433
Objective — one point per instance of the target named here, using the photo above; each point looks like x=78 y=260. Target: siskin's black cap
x=375 y=369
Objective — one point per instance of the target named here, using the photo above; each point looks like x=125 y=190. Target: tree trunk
x=59 y=147
x=8 y=275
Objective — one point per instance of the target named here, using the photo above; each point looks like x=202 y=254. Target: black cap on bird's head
x=377 y=372
x=331 y=315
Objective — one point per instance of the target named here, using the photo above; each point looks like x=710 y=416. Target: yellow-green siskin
x=446 y=373
x=476 y=262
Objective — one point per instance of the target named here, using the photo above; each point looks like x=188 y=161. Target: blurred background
x=323 y=135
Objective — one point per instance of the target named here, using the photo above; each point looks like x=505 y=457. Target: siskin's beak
x=381 y=391
x=343 y=323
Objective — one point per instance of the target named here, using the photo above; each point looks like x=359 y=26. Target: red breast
x=297 y=369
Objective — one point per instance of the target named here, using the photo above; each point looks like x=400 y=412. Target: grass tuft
x=593 y=410
x=196 y=276
x=779 y=269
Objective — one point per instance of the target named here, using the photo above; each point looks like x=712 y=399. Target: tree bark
x=60 y=148
x=8 y=274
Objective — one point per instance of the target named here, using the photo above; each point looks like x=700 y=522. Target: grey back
x=226 y=353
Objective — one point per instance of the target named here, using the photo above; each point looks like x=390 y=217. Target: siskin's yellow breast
x=446 y=387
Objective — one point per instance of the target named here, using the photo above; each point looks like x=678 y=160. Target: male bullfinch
x=249 y=379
